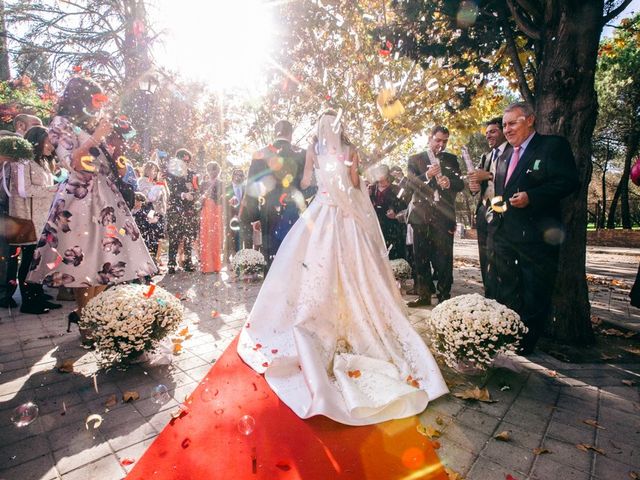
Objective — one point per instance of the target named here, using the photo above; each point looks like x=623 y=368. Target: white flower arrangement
x=400 y=268
x=248 y=261
x=126 y=320
x=471 y=328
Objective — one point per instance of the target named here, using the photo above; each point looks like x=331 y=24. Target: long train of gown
x=329 y=328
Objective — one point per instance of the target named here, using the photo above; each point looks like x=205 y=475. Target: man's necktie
x=513 y=163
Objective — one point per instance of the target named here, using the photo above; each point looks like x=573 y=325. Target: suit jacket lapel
x=526 y=157
x=501 y=170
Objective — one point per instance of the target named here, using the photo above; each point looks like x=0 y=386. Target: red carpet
x=206 y=443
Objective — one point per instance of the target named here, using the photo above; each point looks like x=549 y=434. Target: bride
x=329 y=328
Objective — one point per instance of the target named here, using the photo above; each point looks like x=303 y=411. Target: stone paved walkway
x=542 y=402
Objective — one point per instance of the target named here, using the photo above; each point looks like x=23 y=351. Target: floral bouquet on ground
x=127 y=320
x=401 y=269
x=248 y=263
x=471 y=330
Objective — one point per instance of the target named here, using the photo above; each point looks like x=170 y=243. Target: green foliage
x=16 y=148
x=22 y=96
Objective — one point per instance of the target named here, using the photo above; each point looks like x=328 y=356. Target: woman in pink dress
x=211 y=221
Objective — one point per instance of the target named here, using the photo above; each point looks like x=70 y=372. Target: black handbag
x=127 y=190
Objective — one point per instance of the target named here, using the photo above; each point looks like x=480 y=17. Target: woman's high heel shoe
x=72 y=318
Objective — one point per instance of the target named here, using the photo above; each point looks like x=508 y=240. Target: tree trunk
x=611 y=221
x=566 y=105
x=632 y=147
x=5 y=71
x=136 y=41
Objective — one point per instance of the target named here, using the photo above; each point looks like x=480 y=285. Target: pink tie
x=512 y=164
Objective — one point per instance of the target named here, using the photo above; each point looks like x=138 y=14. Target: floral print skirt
x=90 y=237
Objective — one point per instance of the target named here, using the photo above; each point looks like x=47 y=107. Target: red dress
x=211 y=229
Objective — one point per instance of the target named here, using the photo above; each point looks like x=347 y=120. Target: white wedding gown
x=329 y=328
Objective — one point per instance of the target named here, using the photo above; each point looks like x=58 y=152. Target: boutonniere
x=536 y=165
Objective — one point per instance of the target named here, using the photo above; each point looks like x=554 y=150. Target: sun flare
x=224 y=44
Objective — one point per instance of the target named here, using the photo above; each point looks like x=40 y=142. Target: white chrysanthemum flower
x=125 y=321
x=474 y=328
x=248 y=261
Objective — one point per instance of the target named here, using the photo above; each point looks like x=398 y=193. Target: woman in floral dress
x=90 y=240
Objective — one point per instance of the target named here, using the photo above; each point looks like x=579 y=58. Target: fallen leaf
x=452 y=474
x=540 y=451
x=475 y=394
x=614 y=332
x=184 y=331
x=177 y=348
x=95 y=419
x=429 y=431
x=127 y=461
x=180 y=412
x=586 y=447
x=66 y=366
x=111 y=401
x=629 y=383
x=504 y=436
x=593 y=423
x=130 y=396
x=177 y=340
x=354 y=373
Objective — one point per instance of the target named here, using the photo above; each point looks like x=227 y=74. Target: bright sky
x=224 y=43
x=633 y=8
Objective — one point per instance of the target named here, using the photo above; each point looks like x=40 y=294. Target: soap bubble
x=24 y=414
x=234 y=224
x=160 y=394
x=246 y=424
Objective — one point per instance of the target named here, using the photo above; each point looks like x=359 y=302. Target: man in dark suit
x=481 y=184
x=433 y=181
x=525 y=238
x=273 y=194
x=238 y=235
x=182 y=215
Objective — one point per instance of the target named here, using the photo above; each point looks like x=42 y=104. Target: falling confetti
x=87 y=163
x=98 y=100
x=150 y=291
x=388 y=105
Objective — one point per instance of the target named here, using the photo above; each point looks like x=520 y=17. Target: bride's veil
x=333 y=158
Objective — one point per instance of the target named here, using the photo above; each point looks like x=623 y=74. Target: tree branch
x=616 y=11
x=523 y=23
x=512 y=49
